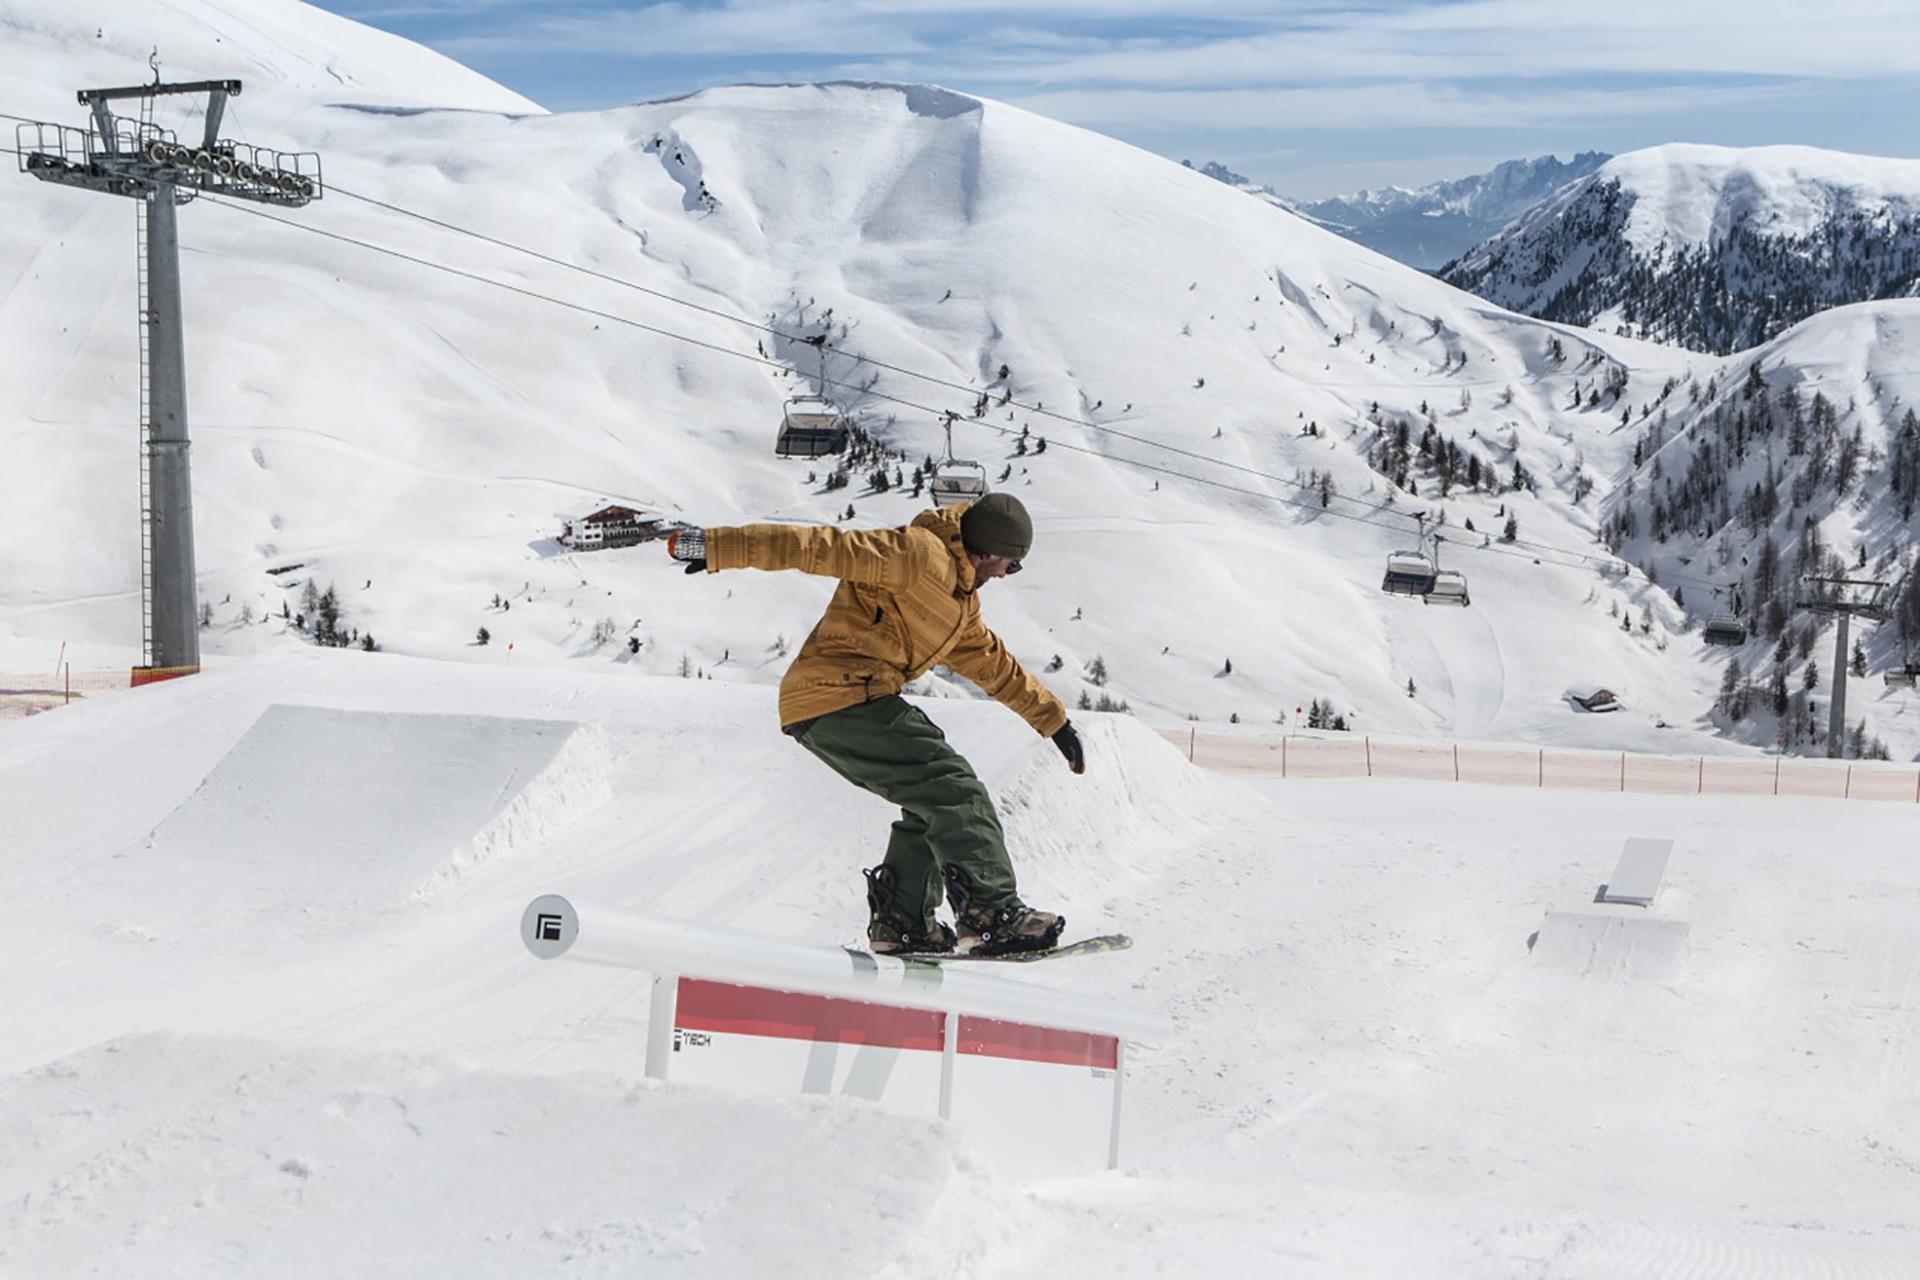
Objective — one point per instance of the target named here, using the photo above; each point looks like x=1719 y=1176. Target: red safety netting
x=30 y=694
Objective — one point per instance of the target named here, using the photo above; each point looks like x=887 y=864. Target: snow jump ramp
x=316 y=804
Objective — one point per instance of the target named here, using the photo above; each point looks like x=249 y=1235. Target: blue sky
x=1313 y=98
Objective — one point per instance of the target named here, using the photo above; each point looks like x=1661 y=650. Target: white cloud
x=1244 y=43
x=1365 y=106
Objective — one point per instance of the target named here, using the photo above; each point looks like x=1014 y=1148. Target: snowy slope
x=1715 y=248
x=1371 y=1076
x=283 y=50
x=415 y=439
x=1803 y=457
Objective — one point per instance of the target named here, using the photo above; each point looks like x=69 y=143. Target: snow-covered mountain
x=1799 y=458
x=279 y=49
x=1429 y=226
x=1713 y=248
x=1242 y=410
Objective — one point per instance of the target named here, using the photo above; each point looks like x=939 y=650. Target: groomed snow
x=1371 y=1076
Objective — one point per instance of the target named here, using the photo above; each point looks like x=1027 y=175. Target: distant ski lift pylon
x=956 y=480
x=1418 y=573
x=812 y=424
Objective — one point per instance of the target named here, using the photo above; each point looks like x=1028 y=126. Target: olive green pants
x=889 y=747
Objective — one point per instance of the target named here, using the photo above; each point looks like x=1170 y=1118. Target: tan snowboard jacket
x=906 y=603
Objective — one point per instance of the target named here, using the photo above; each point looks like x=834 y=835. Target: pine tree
x=327 y=630
x=1731 y=704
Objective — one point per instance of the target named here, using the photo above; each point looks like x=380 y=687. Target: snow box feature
x=1617 y=943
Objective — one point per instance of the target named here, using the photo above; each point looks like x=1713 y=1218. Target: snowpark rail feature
x=1040 y=1068
x=1366 y=757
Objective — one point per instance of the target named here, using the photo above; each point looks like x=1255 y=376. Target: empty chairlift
x=812 y=425
x=1725 y=629
x=1418 y=573
x=956 y=480
x=1449 y=587
x=1409 y=573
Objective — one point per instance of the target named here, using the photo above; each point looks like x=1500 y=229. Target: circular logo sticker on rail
x=549 y=926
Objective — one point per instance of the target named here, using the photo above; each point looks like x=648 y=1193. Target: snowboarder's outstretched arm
x=886 y=558
x=980 y=657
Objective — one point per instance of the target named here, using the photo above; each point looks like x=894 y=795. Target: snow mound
x=212 y=1157
x=1139 y=798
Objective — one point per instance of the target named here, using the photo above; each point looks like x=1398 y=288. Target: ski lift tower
x=136 y=158
x=1850 y=598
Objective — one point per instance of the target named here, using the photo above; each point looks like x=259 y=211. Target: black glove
x=1069 y=743
x=690 y=546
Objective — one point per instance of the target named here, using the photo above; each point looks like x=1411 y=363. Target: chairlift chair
x=957 y=480
x=1411 y=573
x=1449 y=588
x=811 y=426
x=1725 y=629
x=1902 y=676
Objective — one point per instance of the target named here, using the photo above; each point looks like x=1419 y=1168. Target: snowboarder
x=908 y=600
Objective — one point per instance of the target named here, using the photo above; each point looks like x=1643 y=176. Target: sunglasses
x=1013 y=567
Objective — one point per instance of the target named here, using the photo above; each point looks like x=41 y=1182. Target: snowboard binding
x=991 y=931
x=891 y=930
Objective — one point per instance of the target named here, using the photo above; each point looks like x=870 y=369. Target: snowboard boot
x=894 y=931
x=992 y=931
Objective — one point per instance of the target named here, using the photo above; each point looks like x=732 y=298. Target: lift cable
x=911 y=404
x=775 y=331
x=1517 y=545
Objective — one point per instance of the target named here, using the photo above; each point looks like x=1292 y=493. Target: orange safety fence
x=30 y=694
x=1348 y=756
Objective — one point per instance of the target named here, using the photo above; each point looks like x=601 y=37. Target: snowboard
x=1082 y=947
